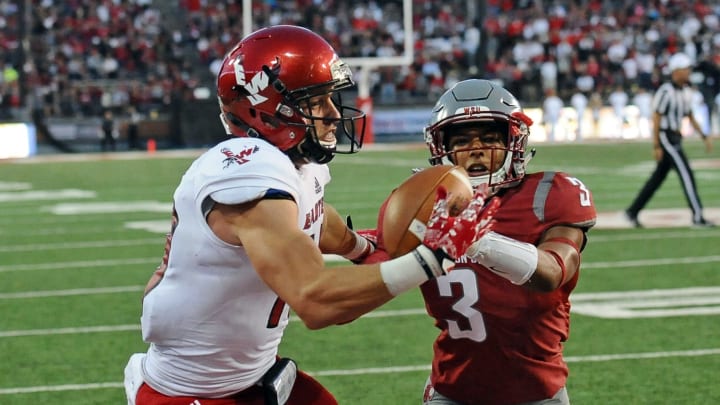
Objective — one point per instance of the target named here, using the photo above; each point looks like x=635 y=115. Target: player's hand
x=708 y=144
x=370 y=235
x=378 y=255
x=454 y=234
x=445 y=239
x=657 y=152
x=365 y=243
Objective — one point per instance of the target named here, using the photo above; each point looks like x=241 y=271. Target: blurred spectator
x=549 y=74
x=700 y=110
x=716 y=107
x=108 y=132
x=552 y=109
x=642 y=99
x=595 y=103
x=618 y=99
x=579 y=102
x=133 y=128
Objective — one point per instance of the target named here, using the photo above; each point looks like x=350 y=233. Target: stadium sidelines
x=381 y=370
x=650 y=218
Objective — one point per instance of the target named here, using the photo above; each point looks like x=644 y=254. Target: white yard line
x=79 y=264
x=622 y=304
x=651 y=262
x=70 y=292
x=69 y=331
x=689 y=234
x=82 y=245
x=381 y=370
x=568 y=359
x=136 y=327
x=156 y=260
x=65 y=387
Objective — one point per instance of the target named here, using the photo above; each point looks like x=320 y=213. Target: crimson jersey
x=501 y=343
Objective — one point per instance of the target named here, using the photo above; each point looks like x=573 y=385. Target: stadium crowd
x=87 y=56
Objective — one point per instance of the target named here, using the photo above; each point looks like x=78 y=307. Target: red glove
x=379 y=254
x=453 y=235
x=370 y=234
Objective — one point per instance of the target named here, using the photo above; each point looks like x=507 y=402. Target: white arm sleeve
x=506 y=257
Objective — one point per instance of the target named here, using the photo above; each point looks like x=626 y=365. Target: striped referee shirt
x=673 y=104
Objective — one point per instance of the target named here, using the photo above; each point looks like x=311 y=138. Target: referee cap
x=679 y=61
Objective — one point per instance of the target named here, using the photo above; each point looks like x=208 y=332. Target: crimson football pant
x=306 y=390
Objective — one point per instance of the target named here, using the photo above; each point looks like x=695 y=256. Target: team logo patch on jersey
x=239 y=158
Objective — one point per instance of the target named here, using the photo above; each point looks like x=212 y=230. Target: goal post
x=364 y=101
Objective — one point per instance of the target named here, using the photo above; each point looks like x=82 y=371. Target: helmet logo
x=474 y=109
x=340 y=71
x=258 y=83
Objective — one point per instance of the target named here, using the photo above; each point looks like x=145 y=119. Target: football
x=407 y=210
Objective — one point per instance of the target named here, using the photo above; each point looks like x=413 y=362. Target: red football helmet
x=268 y=76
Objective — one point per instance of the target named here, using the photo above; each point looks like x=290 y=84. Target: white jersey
x=579 y=101
x=213 y=325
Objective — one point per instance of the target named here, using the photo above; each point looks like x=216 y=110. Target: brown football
x=413 y=201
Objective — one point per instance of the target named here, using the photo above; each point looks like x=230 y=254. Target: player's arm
x=544 y=267
x=657 y=148
x=291 y=264
x=558 y=258
x=337 y=238
x=550 y=262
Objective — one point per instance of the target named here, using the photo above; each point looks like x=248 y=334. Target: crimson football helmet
x=481 y=102
x=266 y=81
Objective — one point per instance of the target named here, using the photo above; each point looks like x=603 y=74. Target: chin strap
x=309 y=151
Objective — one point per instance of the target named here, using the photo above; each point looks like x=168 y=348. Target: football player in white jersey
x=249 y=228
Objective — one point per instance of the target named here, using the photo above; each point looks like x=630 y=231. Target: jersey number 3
x=464 y=306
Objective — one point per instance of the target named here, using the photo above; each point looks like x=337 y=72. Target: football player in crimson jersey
x=250 y=224
x=503 y=310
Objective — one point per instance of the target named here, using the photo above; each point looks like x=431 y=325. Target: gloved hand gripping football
x=449 y=237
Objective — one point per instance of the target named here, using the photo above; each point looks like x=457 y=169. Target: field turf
x=79 y=237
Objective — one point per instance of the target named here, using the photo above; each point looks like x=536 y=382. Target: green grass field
x=79 y=239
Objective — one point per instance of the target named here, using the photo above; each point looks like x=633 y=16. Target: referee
x=671 y=104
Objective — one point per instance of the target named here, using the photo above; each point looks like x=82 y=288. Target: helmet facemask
x=514 y=127
x=461 y=139
x=350 y=124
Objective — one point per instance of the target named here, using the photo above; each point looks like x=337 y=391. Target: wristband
x=506 y=257
x=362 y=248
x=410 y=270
x=566 y=241
x=560 y=263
